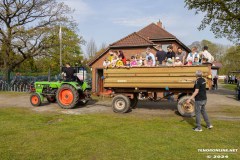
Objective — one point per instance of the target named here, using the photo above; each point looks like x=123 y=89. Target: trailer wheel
x=35 y=99
x=186 y=110
x=120 y=104
x=51 y=99
x=67 y=96
x=134 y=101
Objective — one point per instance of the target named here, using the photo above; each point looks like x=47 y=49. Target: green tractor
x=67 y=94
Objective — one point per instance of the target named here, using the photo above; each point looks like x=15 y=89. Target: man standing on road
x=200 y=101
x=215 y=82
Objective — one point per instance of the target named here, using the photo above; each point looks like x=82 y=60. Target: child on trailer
x=127 y=63
x=133 y=62
x=164 y=63
x=114 y=61
x=169 y=62
x=150 y=62
x=106 y=63
x=178 y=62
x=196 y=61
x=119 y=63
x=139 y=61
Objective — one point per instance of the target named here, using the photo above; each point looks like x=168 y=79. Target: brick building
x=135 y=43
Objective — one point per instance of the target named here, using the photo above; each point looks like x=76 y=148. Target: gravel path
x=217 y=101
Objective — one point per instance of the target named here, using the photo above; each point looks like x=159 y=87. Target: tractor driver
x=69 y=73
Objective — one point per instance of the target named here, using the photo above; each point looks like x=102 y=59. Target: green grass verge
x=29 y=135
x=230 y=86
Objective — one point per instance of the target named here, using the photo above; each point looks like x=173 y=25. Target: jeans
x=200 y=108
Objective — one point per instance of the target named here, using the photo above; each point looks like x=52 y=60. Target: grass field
x=29 y=135
x=230 y=86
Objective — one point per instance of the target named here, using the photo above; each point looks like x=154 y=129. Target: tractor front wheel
x=35 y=99
x=67 y=96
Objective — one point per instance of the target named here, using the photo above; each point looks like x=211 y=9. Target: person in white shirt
x=207 y=55
x=149 y=54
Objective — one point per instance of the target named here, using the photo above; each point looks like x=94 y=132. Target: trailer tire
x=121 y=104
x=186 y=110
x=134 y=101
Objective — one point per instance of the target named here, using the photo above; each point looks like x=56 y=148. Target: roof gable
x=131 y=40
x=153 y=31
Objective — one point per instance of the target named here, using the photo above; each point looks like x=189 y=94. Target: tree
x=26 y=27
x=103 y=46
x=231 y=60
x=91 y=48
x=222 y=15
x=217 y=50
x=71 y=52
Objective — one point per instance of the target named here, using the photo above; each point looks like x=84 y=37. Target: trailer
x=129 y=84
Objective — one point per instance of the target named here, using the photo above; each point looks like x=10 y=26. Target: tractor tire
x=67 y=96
x=51 y=99
x=186 y=110
x=35 y=99
x=134 y=101
x=121 y=104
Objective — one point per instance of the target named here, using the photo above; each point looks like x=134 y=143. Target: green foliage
x=231 y=60
x=222 y=15
x=28 y=135
x=232 y=87
x=71 y=52
x=217 y=50
x=26 y=30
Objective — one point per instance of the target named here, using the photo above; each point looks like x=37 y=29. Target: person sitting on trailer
x=68 y=73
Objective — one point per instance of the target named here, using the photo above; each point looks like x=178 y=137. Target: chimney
x=159 y=24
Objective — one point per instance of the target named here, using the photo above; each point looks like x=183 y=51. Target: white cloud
x=81 y=9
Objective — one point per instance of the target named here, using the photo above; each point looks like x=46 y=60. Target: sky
x=107 y=21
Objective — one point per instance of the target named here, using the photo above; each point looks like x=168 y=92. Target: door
x=99 y=81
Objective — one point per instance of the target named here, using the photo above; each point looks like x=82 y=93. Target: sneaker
x=197 y=129
x=210 y=127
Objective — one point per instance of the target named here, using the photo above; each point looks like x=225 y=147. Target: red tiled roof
x=153 y=31
x=131 y=40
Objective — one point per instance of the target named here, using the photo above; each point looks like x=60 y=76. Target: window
x=164 y=47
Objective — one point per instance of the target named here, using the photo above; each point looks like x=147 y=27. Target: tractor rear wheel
x=51 y=99
x=35 y=99
x=67 y=96
x=185 y=109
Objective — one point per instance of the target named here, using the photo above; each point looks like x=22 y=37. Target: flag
x=60 y=33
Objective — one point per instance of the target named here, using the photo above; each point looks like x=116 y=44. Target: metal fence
x=21 y=83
